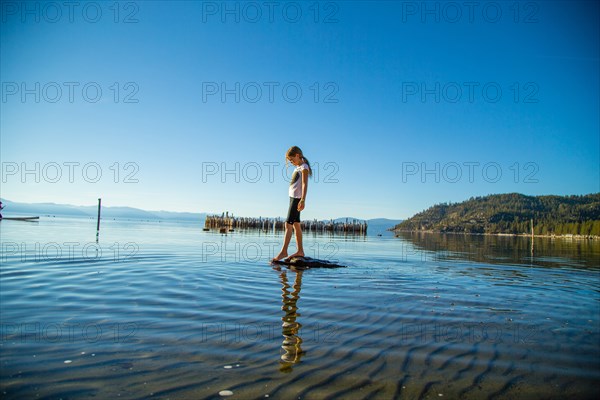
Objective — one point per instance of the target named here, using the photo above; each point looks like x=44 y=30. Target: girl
x=297 y=193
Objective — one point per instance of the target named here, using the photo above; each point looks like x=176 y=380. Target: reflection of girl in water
x=289 y=328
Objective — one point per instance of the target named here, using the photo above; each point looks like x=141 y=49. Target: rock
x=307 y=262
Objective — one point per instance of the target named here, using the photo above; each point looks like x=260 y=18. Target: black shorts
x=293 y=213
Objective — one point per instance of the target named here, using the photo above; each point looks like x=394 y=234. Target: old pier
x=226 y=222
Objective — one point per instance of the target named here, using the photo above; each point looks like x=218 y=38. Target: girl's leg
x=298 y=230
x=286 y=242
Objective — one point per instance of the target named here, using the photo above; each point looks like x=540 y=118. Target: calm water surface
x=165 y=310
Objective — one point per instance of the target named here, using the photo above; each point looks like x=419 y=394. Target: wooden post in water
x=532 y=235
x=531 y=227
x=98 y=223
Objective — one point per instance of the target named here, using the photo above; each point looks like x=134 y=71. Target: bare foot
x=279 y=256
x=297 y=254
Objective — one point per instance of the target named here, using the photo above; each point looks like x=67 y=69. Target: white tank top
x=295 y=189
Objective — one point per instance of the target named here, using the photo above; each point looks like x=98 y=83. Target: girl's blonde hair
x=292 y=151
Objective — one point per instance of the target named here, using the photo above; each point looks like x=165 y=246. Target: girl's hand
x=301 y=205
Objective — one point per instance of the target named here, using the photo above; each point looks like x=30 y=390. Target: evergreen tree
x=512 y=213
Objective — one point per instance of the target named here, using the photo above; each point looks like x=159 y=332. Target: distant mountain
x=381 y=226
x=511 y=214
x=53 y=209
x=390 y=223
x=36 y=209
x=376 y=225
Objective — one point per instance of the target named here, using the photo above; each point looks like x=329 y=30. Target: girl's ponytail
x=309 y=167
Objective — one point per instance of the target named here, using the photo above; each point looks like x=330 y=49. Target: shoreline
x=553 y=236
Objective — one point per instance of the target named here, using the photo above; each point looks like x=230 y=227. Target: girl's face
x=295 y=159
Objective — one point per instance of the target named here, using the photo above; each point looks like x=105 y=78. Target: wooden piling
x=98 y=222
x=229 y=223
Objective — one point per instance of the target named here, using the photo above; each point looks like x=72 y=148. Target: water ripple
x=166 y=321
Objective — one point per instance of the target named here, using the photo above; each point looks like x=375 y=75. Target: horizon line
x=192 y=212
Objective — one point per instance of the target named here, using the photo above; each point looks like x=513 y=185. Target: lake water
x=165 y=310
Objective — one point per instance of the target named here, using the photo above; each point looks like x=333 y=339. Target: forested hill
x=512 y=213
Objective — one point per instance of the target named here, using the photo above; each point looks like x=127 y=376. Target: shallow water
x=166 y=310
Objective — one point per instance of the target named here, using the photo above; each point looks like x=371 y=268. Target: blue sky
x=398 y=105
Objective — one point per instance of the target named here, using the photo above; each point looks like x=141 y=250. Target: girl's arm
x=304 y=189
